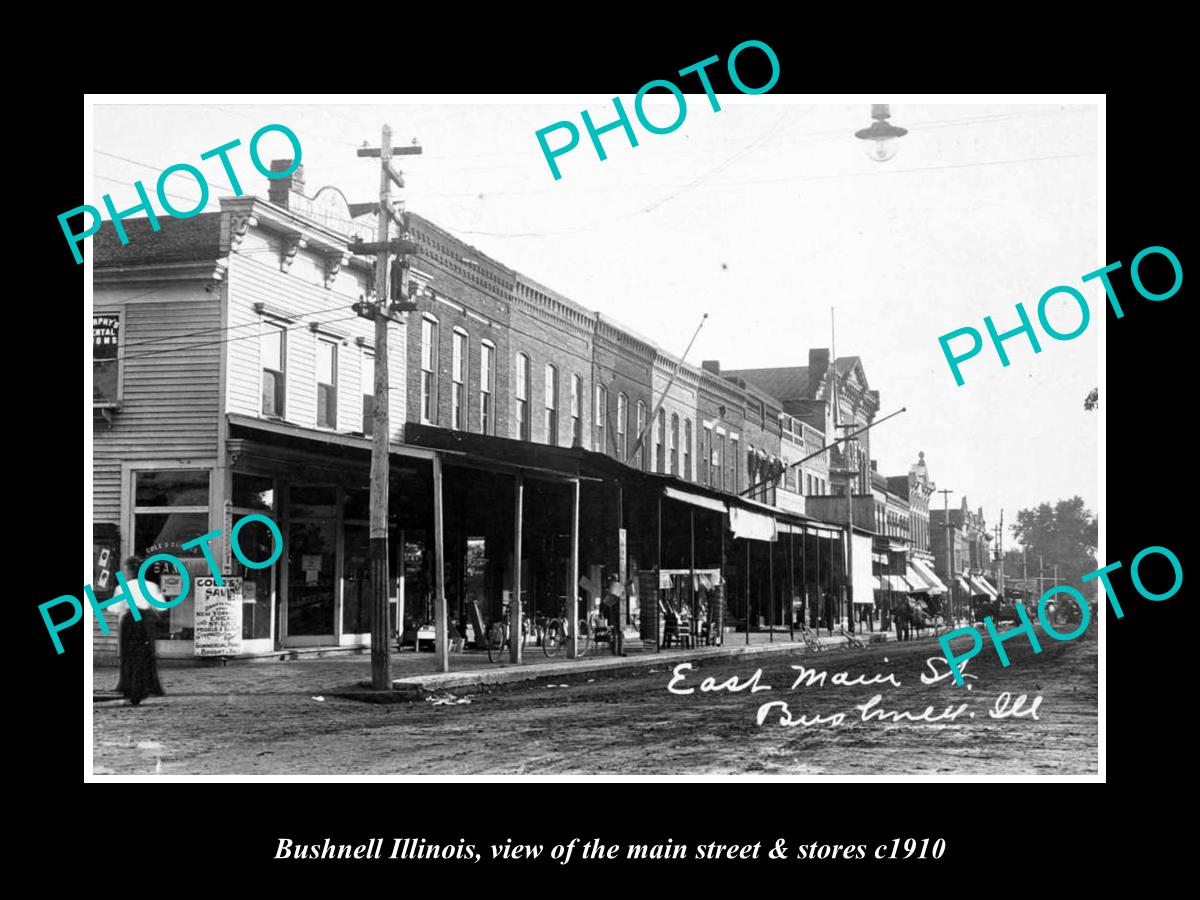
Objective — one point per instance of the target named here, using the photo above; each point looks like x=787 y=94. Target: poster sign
x=218 y=617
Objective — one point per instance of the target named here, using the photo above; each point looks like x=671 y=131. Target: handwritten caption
x=1005 y=706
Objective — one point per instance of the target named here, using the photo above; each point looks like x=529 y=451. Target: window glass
x=271 y=344
x=326 y=362
x=106 y=329
x=253 y=492
x=182 y=487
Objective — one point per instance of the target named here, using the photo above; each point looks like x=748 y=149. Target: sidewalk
x=413 y=673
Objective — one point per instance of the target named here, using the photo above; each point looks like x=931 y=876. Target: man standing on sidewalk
x=612 y=607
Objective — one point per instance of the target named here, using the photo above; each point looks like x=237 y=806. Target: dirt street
x=632 y=724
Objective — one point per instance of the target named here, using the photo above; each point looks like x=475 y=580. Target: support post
x=515 y=613
x=441 y=638
x=573 y=587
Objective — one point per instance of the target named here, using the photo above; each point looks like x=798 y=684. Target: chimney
x=818 y=362
x=712 y=365
x=279 y=190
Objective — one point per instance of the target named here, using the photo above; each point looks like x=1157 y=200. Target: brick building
x=243 y=384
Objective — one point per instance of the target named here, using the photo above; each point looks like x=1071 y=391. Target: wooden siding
x=170 y=399
x=255 y=277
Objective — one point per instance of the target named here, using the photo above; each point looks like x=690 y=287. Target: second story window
x=735 y=466
x=674 y=445
x=660 y=442
x=639 y=436
x=687 y=449
x=522 y=392
x=718 y=473
x=106 y=381
x=704 y=462
x=576 y=403
x=272 y=348
x=551 y=421
x=622 y=426
x=368 y=393
x=429 y=355
x=599 y=411
x=326 y=384
x=487 y=375
x=458 y=378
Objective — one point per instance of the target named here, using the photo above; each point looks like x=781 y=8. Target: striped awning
x=979 y=586
x=937 y=586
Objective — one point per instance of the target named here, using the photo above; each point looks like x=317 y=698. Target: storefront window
x=356 y=504
x=357 y=584
x=256 y=543
x=313 y=502
x=253 y=492
x=171 y=509
x=185 y=487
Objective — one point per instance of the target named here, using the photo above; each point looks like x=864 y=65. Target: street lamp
x=882 y=137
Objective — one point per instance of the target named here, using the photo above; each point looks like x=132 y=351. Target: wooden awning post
x=441 y=638
x=515 y=613
x=573 y=587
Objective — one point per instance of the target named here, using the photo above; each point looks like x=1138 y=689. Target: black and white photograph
x=703 y=432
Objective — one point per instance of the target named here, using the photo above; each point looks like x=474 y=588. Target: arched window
x=674 y=444
x=640 y=461
x=660 y=442
x=599 y=412
x=576 y=411
x=622 y=426
x=551 y=419
x=429 y=340
x=487 y=377
x=687 y=449
x=458 y=379
x=522 y=392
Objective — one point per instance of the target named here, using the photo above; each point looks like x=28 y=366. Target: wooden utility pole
x=382 y=312
x=1000 y=551
x=949 y=553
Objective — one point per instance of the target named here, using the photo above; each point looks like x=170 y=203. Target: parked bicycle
x=811 y=639
x=498 y=640
x=556 y=633
x=852 y=641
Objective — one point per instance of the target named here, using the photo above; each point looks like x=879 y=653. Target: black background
x=189 y=830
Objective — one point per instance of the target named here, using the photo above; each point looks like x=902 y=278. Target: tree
x=1092 y=400
x=1065 y=535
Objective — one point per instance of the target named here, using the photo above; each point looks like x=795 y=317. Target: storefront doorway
x=312 y=561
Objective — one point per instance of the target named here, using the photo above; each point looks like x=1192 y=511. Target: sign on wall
x=218 y=617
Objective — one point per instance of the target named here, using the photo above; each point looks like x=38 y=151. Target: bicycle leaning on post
x=557 y=632
x=497 y=639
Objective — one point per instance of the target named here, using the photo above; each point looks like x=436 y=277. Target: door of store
x=312 y=568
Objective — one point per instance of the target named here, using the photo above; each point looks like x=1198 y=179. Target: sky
x=764 y=215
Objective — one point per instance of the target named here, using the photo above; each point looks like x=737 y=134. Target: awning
x=751 y=525
x=897 y=583
x=896 y=547
x=875 y=579
x=694 y=499
x=864 y=581
x=979 y=586
x=936 y=584
x=880 y=558
x=918 y=582
x=962 y=585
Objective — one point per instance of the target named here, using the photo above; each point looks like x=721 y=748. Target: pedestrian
x=139 y=665
x=612 y=604
x=829 y=601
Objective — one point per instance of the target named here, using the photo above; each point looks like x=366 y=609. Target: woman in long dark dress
x=139 y=664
